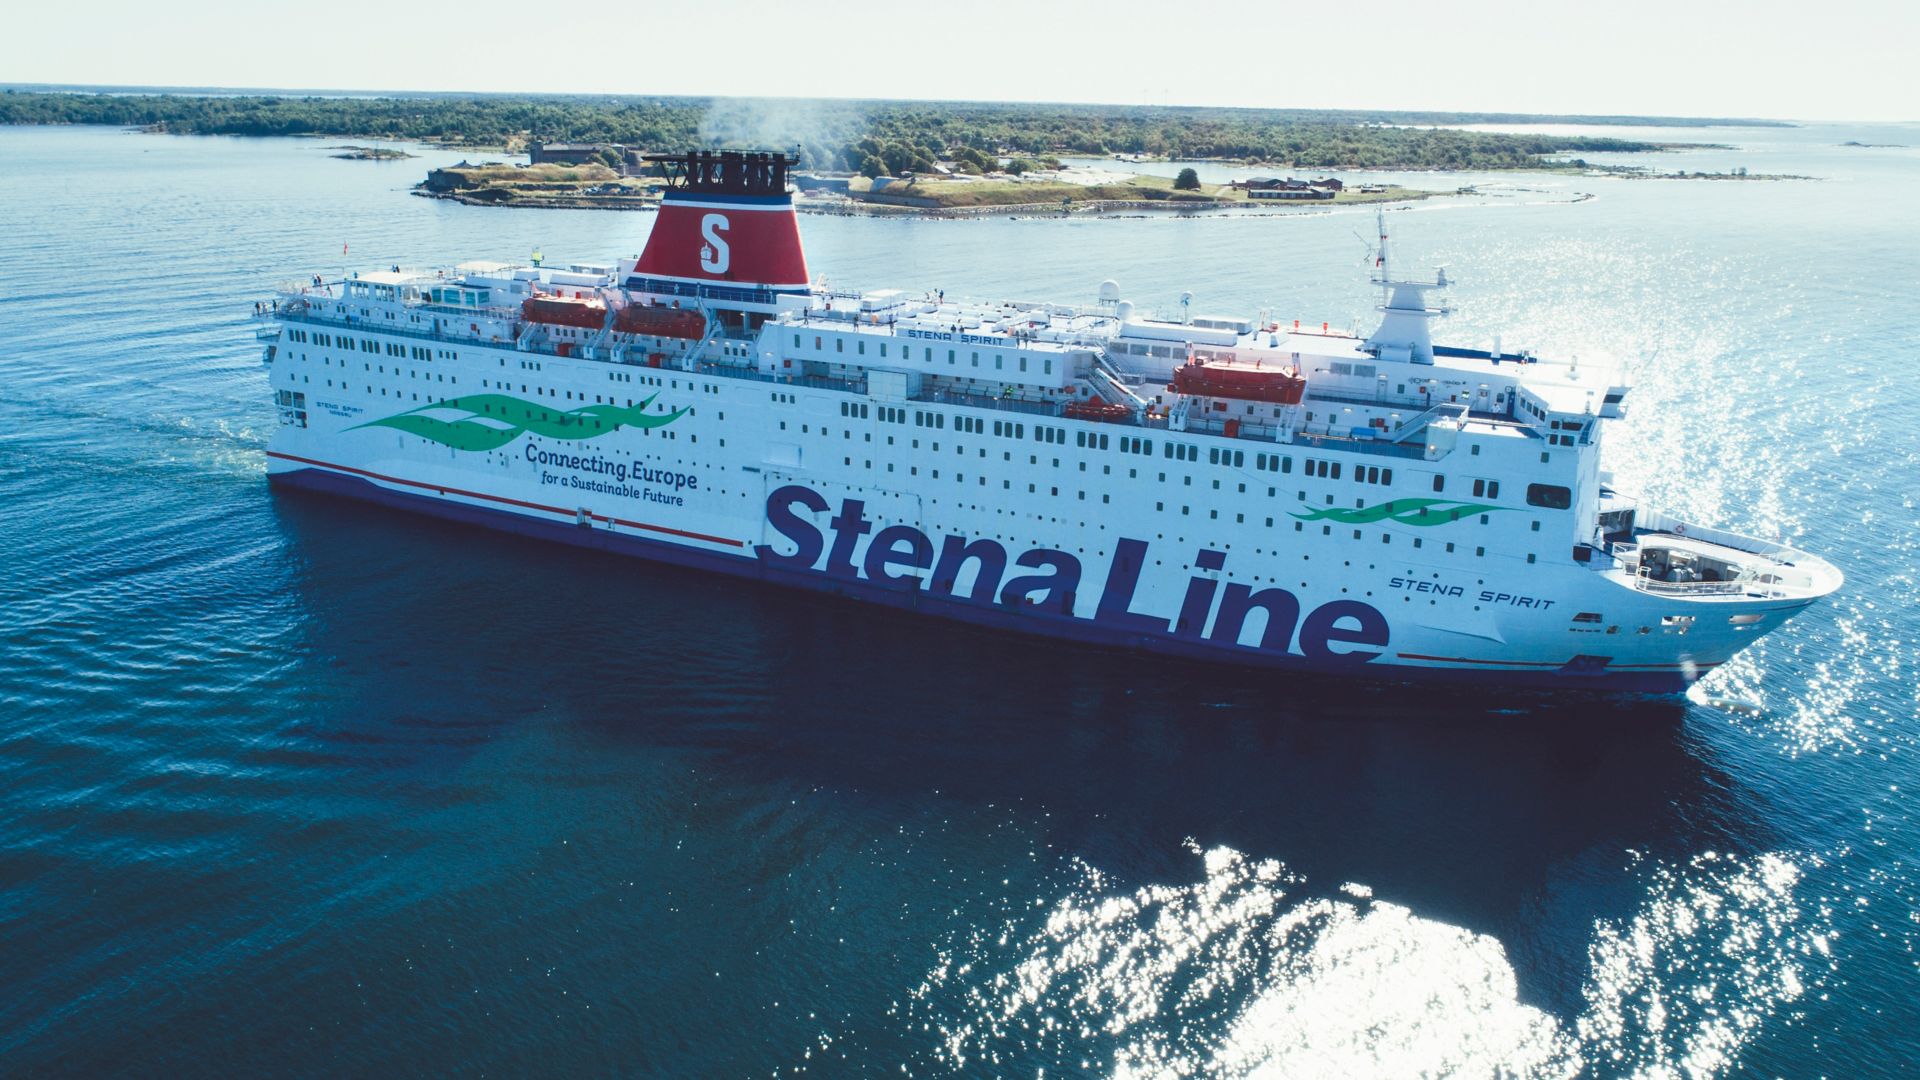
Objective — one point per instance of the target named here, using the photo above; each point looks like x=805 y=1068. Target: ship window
x=1336 y=470
x=1439 y=482
x=839 y=344
x=1551 y=496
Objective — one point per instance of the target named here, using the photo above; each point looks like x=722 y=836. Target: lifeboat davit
x=1239 y=380
x=1097 y=410
x=661 y=322
x=583 y=312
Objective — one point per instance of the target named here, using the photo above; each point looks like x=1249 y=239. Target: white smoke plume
x=782 y=124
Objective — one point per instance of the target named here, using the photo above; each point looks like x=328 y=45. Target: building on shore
x=814 y=182
x=544 y=153
x=1269 y=187
x=632 y=159
x=1290 y=194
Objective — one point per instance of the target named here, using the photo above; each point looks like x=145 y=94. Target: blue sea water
x=292 y=786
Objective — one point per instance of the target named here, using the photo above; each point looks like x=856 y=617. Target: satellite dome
x=1109 y=291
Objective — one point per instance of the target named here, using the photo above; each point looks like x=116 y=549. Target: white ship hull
x=1335 y=597
x=1283 y=498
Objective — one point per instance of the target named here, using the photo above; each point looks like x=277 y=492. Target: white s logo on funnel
x=714 y=255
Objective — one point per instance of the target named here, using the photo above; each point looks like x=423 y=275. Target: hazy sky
x=1837 y=59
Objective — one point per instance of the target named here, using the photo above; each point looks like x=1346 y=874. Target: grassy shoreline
x=598 y=187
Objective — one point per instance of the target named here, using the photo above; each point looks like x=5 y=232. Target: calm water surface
x=292 y=786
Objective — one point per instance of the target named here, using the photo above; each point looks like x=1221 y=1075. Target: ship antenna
x=1380 y=253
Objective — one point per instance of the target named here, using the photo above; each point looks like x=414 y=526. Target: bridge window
x=1551 y=496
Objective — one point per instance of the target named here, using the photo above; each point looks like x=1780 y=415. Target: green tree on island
x=1188 y=180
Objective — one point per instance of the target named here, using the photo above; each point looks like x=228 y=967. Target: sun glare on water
x=1232 y=976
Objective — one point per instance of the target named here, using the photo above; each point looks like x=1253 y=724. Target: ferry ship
x=1223 y=489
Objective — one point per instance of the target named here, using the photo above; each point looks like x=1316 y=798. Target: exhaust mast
x=727 y=233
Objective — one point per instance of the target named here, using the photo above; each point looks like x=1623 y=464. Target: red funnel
x=729 y=220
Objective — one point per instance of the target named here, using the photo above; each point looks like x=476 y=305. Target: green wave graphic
x=494 y=420
x=1419 y=512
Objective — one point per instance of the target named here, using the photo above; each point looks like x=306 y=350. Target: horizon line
x=271 y=91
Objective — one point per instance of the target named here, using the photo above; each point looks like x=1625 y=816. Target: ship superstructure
x=1220 y=488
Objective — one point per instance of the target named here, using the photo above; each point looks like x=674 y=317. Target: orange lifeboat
x=661 y=322
x=584 y=313
x=1096 y=410
x=1238 y=380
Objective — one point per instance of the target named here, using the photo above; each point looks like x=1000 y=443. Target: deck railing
x=1647 y=583
x=1197 y=425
